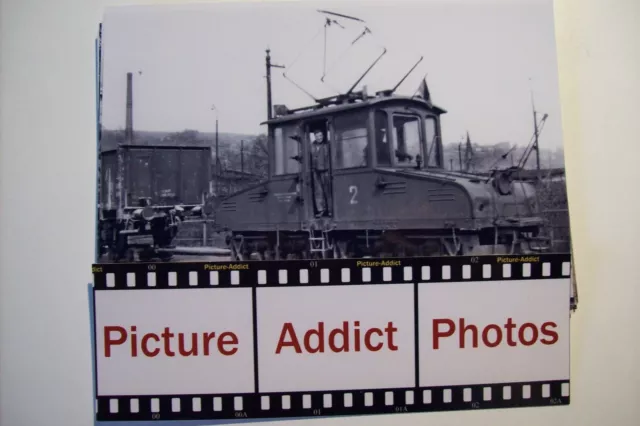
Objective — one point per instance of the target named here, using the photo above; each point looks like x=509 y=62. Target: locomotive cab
x=364 y=176
x=327 y=147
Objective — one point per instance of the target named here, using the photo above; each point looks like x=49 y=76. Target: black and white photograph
x=311 y=192
x=358 y=213
x=320 y=130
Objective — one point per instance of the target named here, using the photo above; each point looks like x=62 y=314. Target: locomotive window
x=351 y=142
x=431 y=138
x=407 y=140
x=382 y=141
x=285 y=148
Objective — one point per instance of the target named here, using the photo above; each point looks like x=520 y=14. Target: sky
x=482 y=59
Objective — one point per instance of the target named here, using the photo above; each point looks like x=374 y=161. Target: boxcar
x=145 y=192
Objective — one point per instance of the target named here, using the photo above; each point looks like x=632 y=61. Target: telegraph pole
x=242 y=155
x=217 y=160
x=536 y=134
x=217 y=166
x=537 y=148
x=269 y=65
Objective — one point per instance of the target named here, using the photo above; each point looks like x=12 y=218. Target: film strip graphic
x=393 y=273
x=332 y=403
x=328 y=272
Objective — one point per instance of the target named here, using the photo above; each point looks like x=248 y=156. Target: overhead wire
x=330 y=66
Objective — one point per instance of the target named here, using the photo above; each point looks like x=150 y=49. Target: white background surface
x=47 y=138
x=493 y=302
x=185 y=311
x=371 y=305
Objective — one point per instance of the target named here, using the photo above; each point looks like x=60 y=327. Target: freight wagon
x=145 y=192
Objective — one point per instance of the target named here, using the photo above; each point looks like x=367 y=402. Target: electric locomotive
x=361 y=175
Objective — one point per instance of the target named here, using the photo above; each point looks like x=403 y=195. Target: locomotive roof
x=319 y=110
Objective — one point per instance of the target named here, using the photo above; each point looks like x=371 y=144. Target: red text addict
x=348 y=338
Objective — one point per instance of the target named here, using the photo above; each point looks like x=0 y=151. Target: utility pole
x=217 y=159
x=269 y=65
x=468 y=154
x=535 y=130
x=242 y=155
x=537 y=147
x=217 y=166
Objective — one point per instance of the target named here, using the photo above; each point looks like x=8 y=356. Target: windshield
x=351 y=141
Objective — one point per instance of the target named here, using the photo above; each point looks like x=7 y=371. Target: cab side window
x=287 y=145
x=350 y=141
